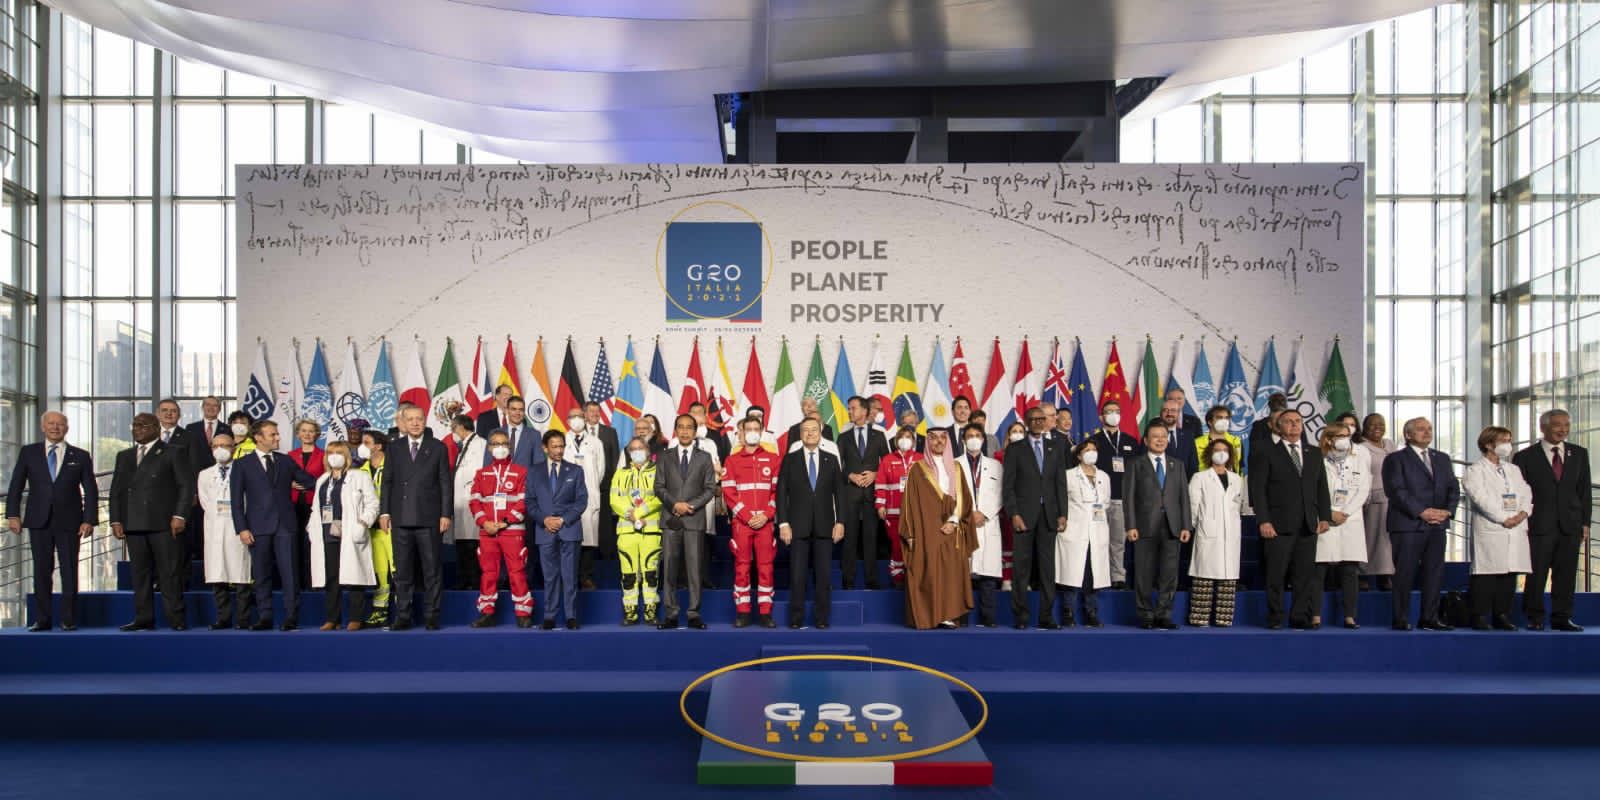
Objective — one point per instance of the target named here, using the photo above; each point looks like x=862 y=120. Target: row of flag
x=340 y=403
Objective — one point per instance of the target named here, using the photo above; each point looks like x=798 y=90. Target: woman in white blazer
x=984 y=475
x=1500 y=501
x=227 y=560
x=344 y=505
x=1083 y=550
x=1380 y=558
x=1343 y=548
x=1216 y=501
x=463 y=526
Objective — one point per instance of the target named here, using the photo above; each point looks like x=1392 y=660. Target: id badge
x=1116 y=463
x=1341 y=496
x=327 y=515
x=1508 y=503
x=500 y=502
x=1099 y=512
x=224 y=507
x=903 y=482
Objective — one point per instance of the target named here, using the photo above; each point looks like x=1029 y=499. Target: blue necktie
x=811 y=469
x=555 y=469
x=1038 y=453
x=1161 y=472
x=861 y=442
x=50 y=461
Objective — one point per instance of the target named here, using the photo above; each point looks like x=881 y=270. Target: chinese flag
x=1115 y=387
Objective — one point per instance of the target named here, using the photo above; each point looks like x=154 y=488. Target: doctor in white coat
x=344 y=506
x=227 y=560
x=1216 y=501
x=1083 y=550
x=586 y=451
x=1501 y=501
x=1343 y=547
x=464 y=527
x=983 y=474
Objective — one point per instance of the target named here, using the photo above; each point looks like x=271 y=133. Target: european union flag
x=1085 y=414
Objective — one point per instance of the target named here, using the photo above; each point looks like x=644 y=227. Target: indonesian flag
x=755 y=385
x=961 y=379
x=508 y=370
x=569 y=392
x=477 y=401
x=694 y=383
x=998 y=401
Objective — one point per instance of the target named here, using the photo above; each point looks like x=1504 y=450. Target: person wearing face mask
x=1015 y=432
x=344 y=505
x=471 y=455
x=498 y=501
x=371 y=454
x=1083 y=552
x=584 y=449
x=1343 y=548
x=984 y=473
x=201 y=432
x=890 y=486
x=227 y=560
x=1379 y=566
x=910 y=419
x=735 y=432
x=749 y=490
x=1216 y=504
x=1117 y=450
x=992 y=445
x=1218 y=420
x=860 y=450
x=879 y=419
x=1500 y=501
x=638 y=512
x=648 y=428
x=239 y=424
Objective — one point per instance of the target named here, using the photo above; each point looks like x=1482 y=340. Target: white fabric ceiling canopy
x=621 y=81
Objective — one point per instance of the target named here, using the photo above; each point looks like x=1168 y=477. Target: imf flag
x=714 y=271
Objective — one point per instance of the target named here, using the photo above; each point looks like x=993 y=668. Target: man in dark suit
x=1289 y=490
x=526 y=449
x=808 y=410
x=1189 y=424
x=416 y=505
x=1180 y=443
x=1558 y=473
x=556 y=500
x=199 y=434
x=809 y=483
x=1423 y=493
x=262 y=490
x=686 y=482
x=1034 y=488
x=860 y=449
x=63 y=508
x=961 y=412
x=612 y=449
x=499 y=417
x=1262 y=431
x=1155 y=499
x=1117 y=451
x=151 y=490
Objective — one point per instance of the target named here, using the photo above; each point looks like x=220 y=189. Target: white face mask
x=752 y=438
x=575 y=424
x=1341 y=444
x=1221 y=424
x=1016 y=437
x=1219 y=457
x=500 y=451
x=336 y=460
x=974 y=445
x=364 y=453
x=239 y=428
x=1113 y=420
x=905 y=443
x=638 y=456
x=1503 y=449
x=222 y=454
x=1090 y=457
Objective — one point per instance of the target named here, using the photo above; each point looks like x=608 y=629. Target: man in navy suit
x=497 y=418
x=199 y=434
x=1180 y=442
x=808 y=520
x=525 y=448
x=556 y=500
x=1423 y=493
x=416 y=506
x=262 y=487
x=1558 y=473
x=1035 y=502
x=63 y=508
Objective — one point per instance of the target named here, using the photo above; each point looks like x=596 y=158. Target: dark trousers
x=1292 y=554
x=586 y=557
x=333 y=590
x=468 y=573
x=276 y=550
x=988 y=588
x=807 y=556
x=559 y=560
x=1155 y=569
x=1090 y=596
x=1491 y=595
x=52 y=546
x=152 y=554
x=608 y=527
x=860 y=543
x=1033 y=553
x=194 y=536
x=1557 y=557
x=682 y=564
x=1414 y=551
x=1348 y=576
x=412 y=545
x=302 y=515
x=236 y=603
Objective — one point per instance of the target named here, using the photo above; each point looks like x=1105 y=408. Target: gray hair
x=1544 y=419
x=1405 y=430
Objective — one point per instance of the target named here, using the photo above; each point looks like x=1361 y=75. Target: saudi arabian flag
x=448 y=399
x=785 y=401
x=1334 y=395
x=816 y=386
x=1150 y=384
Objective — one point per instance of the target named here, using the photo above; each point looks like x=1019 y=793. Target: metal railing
x=97 y=562
x=1459 y=546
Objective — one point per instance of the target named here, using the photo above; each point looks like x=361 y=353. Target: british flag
x=1056 y=392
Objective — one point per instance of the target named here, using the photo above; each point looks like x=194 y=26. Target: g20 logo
x=712 y=270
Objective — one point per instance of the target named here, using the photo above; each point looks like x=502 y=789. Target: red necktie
x=1555 y=463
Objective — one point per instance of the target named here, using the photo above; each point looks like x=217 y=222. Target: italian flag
x=916 y=772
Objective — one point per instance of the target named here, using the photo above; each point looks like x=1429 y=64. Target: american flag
x=601 y=389
x=1056 y=391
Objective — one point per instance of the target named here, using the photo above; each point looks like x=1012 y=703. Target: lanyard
x=1116 y=443
x=1501 y=468
x=500 y=475
x=1093 y=484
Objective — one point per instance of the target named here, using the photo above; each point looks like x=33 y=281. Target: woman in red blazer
x=308 y=456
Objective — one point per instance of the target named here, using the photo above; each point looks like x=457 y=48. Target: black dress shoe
x=1274 y=626
x=548 y=625
x=262 y=625
x=1480 y=624
x=874 y=586
x=1402 y=625
x=69 y=626
x=1566 y=625
x=138 y=626
x=1166 y=625
x=742 y=619
x=1352 y=624
x=180 y=627
x=1049 y=625
x=1147 y=624
x=1504 y=623
x=1020 y=624
x=1092 y=621
x=1435 y=625
x=1118 y=586
x=1067 y=621
x=767 y=621
x=289 y=626
x=795 y=625
x=432 y=624
x=572 y=623
x=822 y=625
x=400 y=625
x=483 y=621
x=1536 y=625
x=697 y=623
x=667 y=624
x=221 y=625
x=38 y=627
x=524 y=622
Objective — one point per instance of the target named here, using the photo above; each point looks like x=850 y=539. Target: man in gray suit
x=1155 y=503
x=686 y=482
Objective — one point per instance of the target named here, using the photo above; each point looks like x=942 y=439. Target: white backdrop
x=977 y=251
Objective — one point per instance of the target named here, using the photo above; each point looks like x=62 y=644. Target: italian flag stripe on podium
x=847 y=773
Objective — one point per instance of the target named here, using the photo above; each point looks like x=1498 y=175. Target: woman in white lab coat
x=1083 y=550
x=463 y=526
x=984 y=475
x=1500 y=501
x=227 y=559
x=1343 y=547
x=1216 y=501
x=344 y=505
x=1380 y=558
